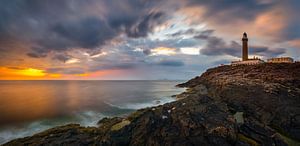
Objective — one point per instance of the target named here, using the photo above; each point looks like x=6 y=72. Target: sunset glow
x=17 y=73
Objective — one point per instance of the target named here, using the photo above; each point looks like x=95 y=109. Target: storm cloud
x=62 y=25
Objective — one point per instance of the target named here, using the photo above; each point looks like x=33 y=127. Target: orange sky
x=39 y=74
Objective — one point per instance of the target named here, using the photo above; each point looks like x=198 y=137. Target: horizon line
x=97 y=80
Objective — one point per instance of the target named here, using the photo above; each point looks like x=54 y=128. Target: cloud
x=16 y=68
x=295 y=43
x=163 y=47
x=163 y=51
x=54 y=25
x=37 y=53
x=204 y=34
x=190 y=51
x=86 y=33
x=112 y=66
x=274 y=20
x=231 y=9
x=146 y=25
x=190 y=31
x=265 y=51
x=61 y=57
x=171 y=63
x=199 y=34
x=61 y=70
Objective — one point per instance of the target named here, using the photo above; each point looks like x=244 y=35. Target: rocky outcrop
x=267 y=93
x=228 y=105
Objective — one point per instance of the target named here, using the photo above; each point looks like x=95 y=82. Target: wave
x=86 y=118
x=136 y=106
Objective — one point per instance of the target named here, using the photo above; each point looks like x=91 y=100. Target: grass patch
x=120 y=125
x=289 y=141
x=247 y=140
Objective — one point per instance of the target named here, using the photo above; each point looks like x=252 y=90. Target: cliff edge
x=226 y=105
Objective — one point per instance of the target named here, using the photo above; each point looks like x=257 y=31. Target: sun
x=31 y=72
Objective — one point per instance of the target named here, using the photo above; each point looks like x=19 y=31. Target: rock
x=238 y=116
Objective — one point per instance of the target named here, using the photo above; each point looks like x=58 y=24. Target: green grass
x=120 y=125
x=289 y=141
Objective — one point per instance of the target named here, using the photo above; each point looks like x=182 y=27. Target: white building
x=281 y=60
x=247 y=62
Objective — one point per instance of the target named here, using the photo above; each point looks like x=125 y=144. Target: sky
x=139 y=39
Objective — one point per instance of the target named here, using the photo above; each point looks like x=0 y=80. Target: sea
x=29 y=107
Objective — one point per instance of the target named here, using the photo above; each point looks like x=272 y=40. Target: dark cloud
x=198 y=34
x=147 y=51
x=146 y=25
x=62 y=57
x=292 y=31
x=38 y=53
x=190 y=31
x=85 y=33
x=265 y=51
x=16 y=68
x=135 y=17
x=245 y=9
x=171 y=63
x=204 y=34
x=62 y=24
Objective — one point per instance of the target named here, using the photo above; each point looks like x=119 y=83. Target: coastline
x=228 y=105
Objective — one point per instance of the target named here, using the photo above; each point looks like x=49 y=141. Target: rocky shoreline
x=226 y=105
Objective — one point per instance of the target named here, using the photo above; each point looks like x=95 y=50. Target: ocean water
x=28 y=107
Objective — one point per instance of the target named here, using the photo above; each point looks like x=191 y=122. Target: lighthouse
x=245 y=47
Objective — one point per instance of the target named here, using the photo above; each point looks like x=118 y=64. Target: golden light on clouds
x=163 y=51
x=98 y=55
x=54 y=75
x=73 y=60
x=295 y=43
x=82 y=75
x=271 y=22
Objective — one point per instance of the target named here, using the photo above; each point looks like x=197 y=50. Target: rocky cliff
x=227 y=105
